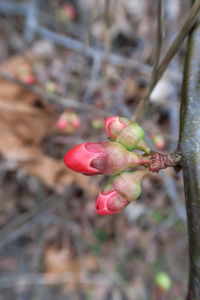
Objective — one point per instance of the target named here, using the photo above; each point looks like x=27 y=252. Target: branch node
x=162 y=161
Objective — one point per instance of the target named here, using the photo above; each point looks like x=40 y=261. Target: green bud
x=163 y=280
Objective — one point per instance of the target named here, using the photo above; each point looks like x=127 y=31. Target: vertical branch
x=159 y=40
x=189 y=146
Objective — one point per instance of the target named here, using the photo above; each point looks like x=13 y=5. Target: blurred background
x=64 y=66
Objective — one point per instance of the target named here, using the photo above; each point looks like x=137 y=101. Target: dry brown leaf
x=25 y=120
x=59 y=261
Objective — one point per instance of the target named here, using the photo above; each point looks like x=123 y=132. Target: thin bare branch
x=65 y=102
x=187 y=25
x=76 y=45
x=159 y=39
x=10 y=8
x=38 y=218
x=54 y=279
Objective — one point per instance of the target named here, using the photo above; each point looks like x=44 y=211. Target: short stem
x=139 y=160
x=162 y=161
x=143 y=147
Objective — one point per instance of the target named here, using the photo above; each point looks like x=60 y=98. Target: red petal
x=114 y=125
x=110 y=203
x=79 y=159
x=95 y=147
x=108 y=123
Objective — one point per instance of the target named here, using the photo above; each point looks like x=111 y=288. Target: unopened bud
x=158 y=141
x=102 y=158
x=68 y=122
x=129 y=134
x=125 y=188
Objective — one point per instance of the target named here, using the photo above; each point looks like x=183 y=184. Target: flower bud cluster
x=113 y=157
x=68 y=122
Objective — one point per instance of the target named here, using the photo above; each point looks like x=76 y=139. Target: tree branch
x=189 y=146
x=175 y=46
x=53 y=97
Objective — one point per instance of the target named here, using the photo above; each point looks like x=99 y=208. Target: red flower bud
x=68 y=121
x=70 y=11
x=110 y=203
x=114 y=126
x=25 y=74
x=125 y=188
x=75 y=123
x=158 y=141
x=62 y=123
x=102 y=158
x=126 y=132
x=29 y=79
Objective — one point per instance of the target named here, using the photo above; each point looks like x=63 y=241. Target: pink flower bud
x=70 y=11
x=75 y=122
x=114 y=126
x=110 y=203
x=158 y=141
x=25 y=74
x=126 y=132
x=29 y=79
x=102 y=158
x=68 y=121
x=62 y=122
x=125 y=188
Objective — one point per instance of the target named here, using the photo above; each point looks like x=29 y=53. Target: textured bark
x=189 y=146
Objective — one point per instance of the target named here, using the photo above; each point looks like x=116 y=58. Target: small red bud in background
x=66 y=13
x=28 y=79
x=75 y=122
x=68 y=122
x=62 y=122
x=25 y=74
x=102 y=158
x=158 y=141
x=69 y=11
x=126 y=132
x=125 y=188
